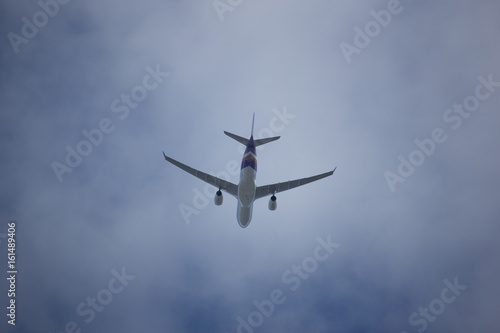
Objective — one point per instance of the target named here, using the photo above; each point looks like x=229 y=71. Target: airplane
x=246 y=192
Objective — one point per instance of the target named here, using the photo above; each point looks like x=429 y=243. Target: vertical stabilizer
x=245 y=142
x=253 y=120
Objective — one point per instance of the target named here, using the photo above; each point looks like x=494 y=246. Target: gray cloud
x=119 y=207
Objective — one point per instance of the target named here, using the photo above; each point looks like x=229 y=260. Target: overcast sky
x=403 y=97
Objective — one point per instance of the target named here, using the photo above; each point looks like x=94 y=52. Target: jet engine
x=272 y=203
x=218 y=198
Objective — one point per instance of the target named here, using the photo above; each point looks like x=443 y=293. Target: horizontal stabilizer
x=244 y=141
x=237 y=138
x=264 y=141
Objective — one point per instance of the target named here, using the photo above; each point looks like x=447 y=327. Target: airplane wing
x=262 y=191
x=212 y=180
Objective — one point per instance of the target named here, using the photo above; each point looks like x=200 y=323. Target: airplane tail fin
x=244 y=141
x=253 y=120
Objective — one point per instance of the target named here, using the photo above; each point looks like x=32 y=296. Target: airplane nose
x=244 y=216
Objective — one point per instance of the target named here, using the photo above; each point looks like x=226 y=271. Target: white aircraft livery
x=246 y=192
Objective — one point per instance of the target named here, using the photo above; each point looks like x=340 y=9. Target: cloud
x=119 y=208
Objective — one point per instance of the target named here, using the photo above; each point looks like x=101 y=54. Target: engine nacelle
x=273 y=203
x=218 y=198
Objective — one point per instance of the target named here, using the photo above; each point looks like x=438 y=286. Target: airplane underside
x=246 y=192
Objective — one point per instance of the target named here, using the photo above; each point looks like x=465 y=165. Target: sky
x=403 y=97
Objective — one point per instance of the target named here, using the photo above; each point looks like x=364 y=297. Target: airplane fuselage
x=247 y=185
